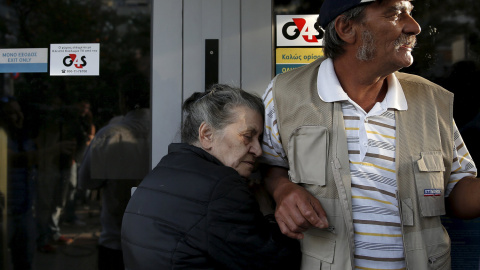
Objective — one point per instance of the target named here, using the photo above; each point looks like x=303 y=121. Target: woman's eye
x=247 y=138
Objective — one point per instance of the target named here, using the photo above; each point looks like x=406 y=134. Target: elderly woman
x=195 y=209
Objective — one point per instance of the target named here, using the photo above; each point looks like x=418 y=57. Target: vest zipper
x=330 y=229
x=399 y=202
x=341 y=188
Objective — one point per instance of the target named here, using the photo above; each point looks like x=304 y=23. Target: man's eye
x=395 y=15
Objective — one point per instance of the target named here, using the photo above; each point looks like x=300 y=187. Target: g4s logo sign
x=72 y=59
x=298 y=30
x=299 y=27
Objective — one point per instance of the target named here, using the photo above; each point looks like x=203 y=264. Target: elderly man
x=363 y=160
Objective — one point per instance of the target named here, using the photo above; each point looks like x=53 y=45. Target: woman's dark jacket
x=192 y=212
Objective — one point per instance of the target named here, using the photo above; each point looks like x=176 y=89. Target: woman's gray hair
x=333 y=44
x=215 y=107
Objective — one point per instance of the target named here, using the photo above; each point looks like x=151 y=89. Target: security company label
x=23 y=60
x=291 y=58
x=432 y=192
x=298 y=31
x=75 y=59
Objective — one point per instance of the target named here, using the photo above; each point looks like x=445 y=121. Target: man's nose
x=412 y=27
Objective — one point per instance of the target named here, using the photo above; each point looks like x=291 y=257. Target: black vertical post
x=211 y=62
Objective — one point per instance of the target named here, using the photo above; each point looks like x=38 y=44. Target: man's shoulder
x=407 y=79
x=412 y=78
x=402 y=76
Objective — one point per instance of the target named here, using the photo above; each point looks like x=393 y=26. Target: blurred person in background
x=57 y=174
x=22 y=157
x=82 y=117
x=117 y=159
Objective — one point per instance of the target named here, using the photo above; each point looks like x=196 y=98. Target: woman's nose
x=256 y=149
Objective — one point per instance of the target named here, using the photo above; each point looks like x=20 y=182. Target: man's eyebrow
x=402 y=7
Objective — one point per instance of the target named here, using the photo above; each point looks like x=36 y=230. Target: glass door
x=51 y=221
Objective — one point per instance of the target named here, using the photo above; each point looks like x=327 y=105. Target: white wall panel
x=256 y=45
x=212 y=19
x=230 y=60
x=166 y=75
x=194 y=44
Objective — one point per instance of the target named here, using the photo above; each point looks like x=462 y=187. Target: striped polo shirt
x=371 y=148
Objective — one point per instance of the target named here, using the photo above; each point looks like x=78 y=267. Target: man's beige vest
x=313 y=136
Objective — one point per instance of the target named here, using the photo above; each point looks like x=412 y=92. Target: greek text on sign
x=75 y=59
x=23 y=60
x=298 y=31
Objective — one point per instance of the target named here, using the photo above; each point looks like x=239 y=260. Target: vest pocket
x=439 y=256
x=307 y=155
x=317 y=252
x=440 y=261
x=429 y=168
x=407 y=212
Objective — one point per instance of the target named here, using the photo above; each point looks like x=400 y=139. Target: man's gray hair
x=215 y=108
x=333 y=44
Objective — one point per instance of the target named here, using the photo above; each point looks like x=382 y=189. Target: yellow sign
x=291 y=58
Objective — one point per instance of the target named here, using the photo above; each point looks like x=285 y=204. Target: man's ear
x=346 y=30
x=205 y=136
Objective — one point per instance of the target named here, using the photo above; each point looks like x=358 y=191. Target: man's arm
x=297 y=210
x=464 y=200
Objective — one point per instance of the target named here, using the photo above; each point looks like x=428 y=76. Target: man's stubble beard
x=367 y=50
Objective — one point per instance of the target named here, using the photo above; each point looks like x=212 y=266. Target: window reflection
x=59 y=221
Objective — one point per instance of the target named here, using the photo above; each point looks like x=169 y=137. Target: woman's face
x=238 y=144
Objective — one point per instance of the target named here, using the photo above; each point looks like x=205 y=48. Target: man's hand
x=297 y=210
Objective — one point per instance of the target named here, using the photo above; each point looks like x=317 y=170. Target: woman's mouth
x=251 y=163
